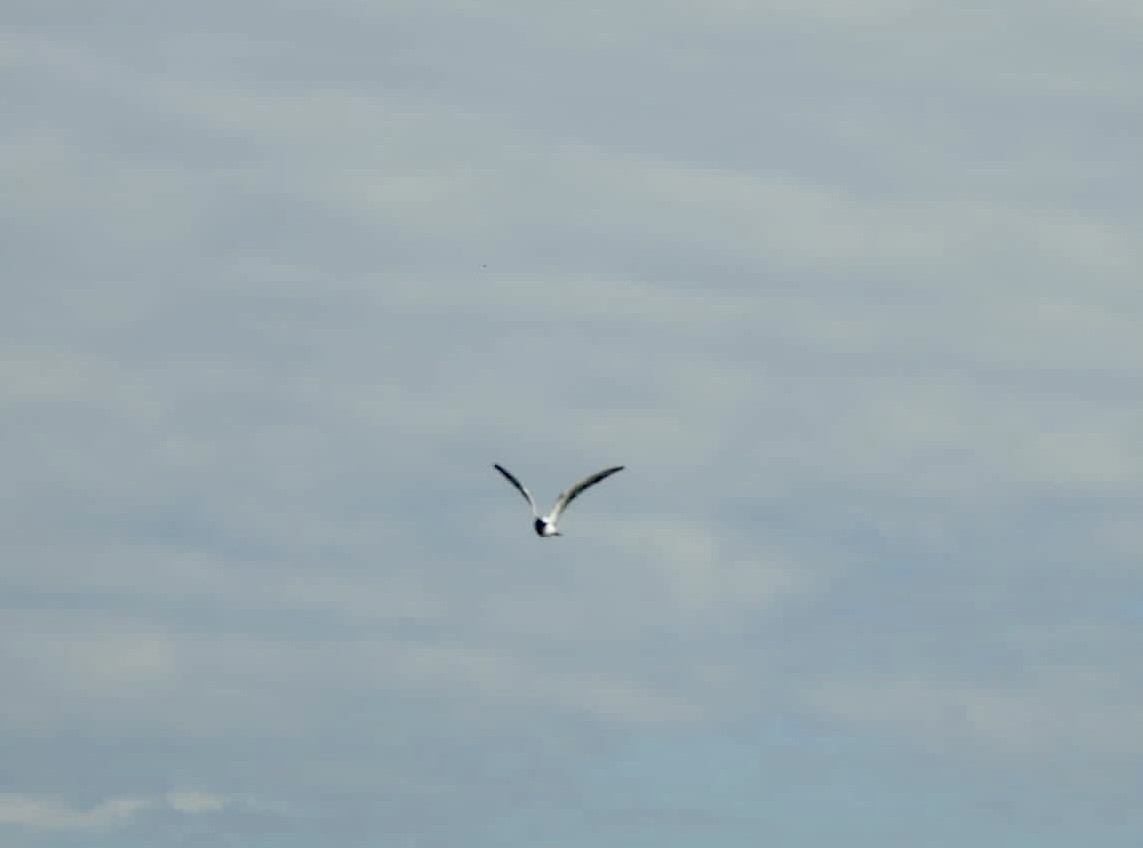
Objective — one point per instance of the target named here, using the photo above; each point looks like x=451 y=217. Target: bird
x=545 y=525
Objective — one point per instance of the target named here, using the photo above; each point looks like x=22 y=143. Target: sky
x=851 y=289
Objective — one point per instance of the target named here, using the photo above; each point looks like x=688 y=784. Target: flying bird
x=545 y=525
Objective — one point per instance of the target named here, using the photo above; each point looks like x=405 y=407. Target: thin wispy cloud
x=851 y=292
x=38 y=812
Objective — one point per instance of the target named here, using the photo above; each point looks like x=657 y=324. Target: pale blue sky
x=851 y=289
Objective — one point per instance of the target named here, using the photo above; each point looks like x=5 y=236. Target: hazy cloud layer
x=853 y=293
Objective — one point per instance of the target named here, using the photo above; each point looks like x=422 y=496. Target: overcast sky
x=852 y=289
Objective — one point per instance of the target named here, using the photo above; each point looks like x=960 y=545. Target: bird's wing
x=519 y=488
x=569 y=494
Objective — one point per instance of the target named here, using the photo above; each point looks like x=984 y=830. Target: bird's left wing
x=519 y=487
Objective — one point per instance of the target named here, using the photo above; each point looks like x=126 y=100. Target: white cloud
x=193 y=801
x=705 y=576
x=1069 y=712
x=850 y=288
x=42 y=812
x=519 y=682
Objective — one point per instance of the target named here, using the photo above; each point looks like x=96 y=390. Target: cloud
x=40 y=812
x=1066 y=713
x=1055 y=692
x=192 y=801
x=851 y=290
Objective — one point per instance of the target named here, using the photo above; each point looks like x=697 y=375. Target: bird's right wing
x=519 y=487
x=569 y=494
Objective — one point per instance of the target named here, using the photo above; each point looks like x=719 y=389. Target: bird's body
x=546 y=525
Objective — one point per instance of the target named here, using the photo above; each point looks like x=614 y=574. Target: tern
x=545 y=525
